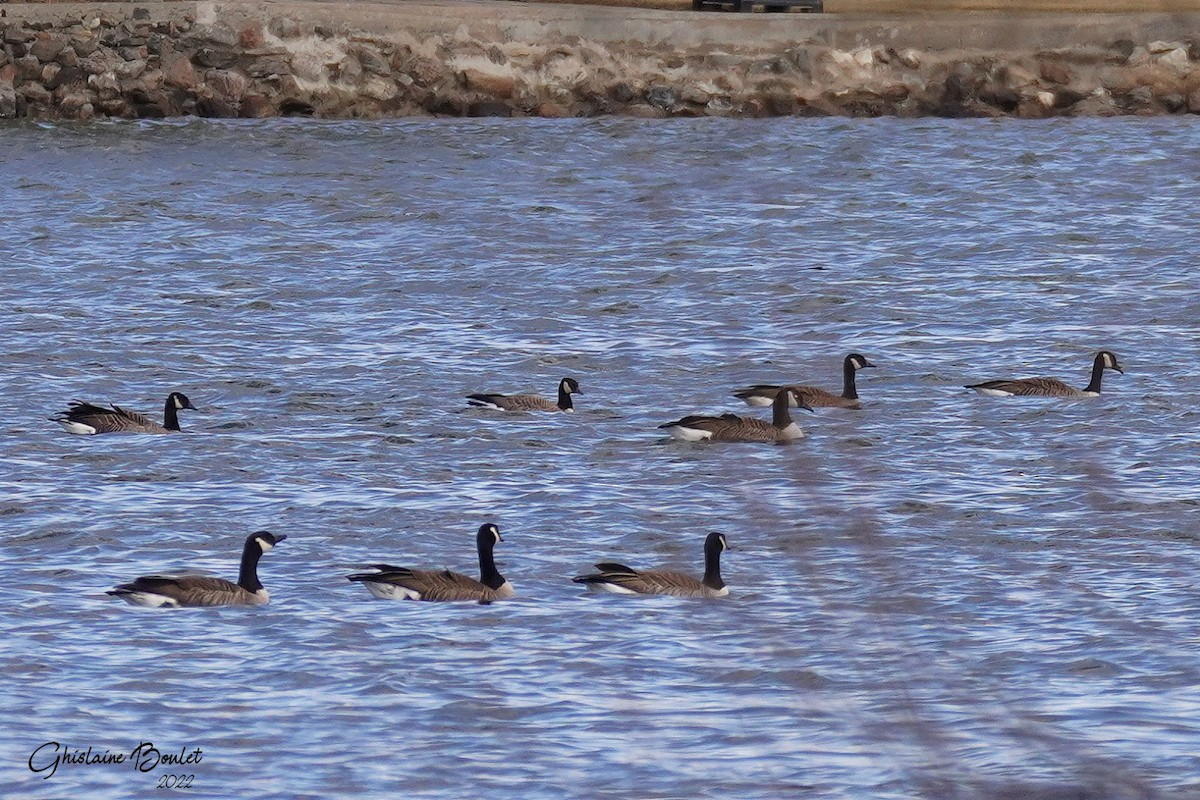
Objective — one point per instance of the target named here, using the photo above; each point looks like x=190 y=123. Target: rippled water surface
x=941 y=595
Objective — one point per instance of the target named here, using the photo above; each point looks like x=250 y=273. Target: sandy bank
x=458 y=57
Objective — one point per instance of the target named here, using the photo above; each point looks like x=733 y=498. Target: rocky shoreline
x=169 y=60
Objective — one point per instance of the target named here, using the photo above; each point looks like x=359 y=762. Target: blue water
x=939 y=596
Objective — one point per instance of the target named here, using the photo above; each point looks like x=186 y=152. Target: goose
x=762 y=394
x=402 y=583
x=87 y=419
x=732 y=428
x=167 y=591
x=620 y=579
x=1050 y=387
x=528 y=402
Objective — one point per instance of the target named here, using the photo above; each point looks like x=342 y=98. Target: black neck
x=248 y=576
x=564 y=397
x=849 y=390
x=170 y=415
x=781 y=415
x=712 y=567
x=489 y=576
x=1097 y=374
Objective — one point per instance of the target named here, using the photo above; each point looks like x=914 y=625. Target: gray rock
x=141 y=13
x=227 y=85
x=1142 y=95
x=217 y=34
x=28 y=68
x=1123 y=47
x=1175 y=103
x=663 y=97
x=284 y=28
x=1055 y=72
x=77 y=105
x=349 y=70
x=105 y=85
x=49 y=73
x=267 y=67
x=621 y=92
x=372 y=61
x=68 y=57
x=99 y=63
x=84 y=46
x=67 y=76
x=8 y=102
x=131 y=69
x=15 y=34
x=35 y=94
x=489 y=108
x=47 y=46
x=214 y=58
x=178 y=71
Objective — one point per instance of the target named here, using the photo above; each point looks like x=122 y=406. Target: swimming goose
x=762 y=394
x=528 y=402
x=402 y=583
x=87 y=419
x=167 y=591
x=1050 y=387
x=732 y=428
x=620 y=579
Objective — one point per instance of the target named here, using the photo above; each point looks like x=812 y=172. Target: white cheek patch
x=178 y=404
x=264 y=544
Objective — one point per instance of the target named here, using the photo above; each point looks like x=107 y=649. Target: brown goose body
x=620 y=579
x=403 y=583
x=732 y=428
x=1050 y=387
x=528 y=402
x=198 y=591
x=763 y=394
x=88 y=419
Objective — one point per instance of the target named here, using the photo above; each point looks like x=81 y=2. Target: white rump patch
x=149 y=600
x=759 y=401
x=683 y=434
x=992 y=392
x=610 y=588
x=390 y=591
x=78 y=428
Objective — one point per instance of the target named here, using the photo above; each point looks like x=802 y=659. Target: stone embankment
x=127 y=62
